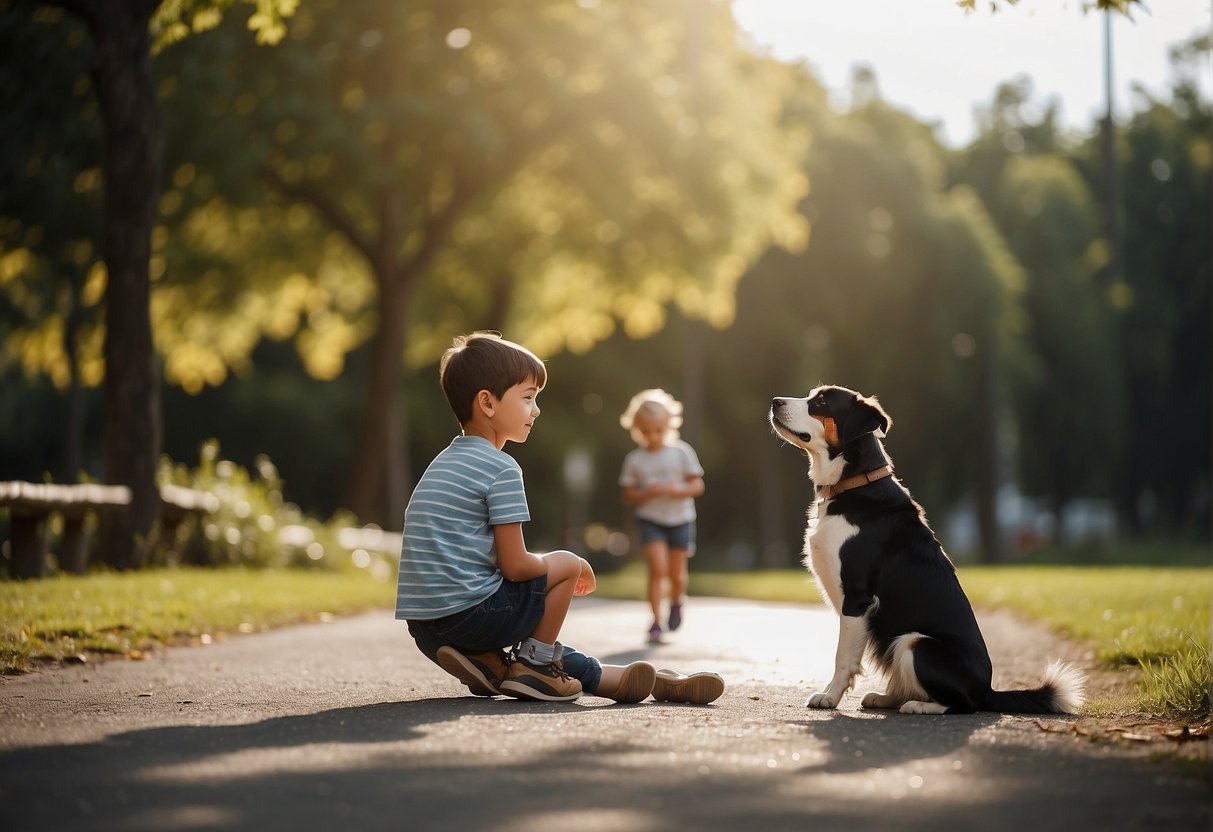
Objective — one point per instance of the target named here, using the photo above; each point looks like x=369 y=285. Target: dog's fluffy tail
x=1060 y=693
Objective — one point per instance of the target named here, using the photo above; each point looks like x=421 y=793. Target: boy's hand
x=586 y=582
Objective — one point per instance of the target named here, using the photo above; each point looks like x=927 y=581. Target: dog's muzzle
x=778 y=405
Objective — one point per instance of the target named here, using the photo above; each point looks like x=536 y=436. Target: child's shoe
x=635 y=683
x=481 y=672
x=696 y=689
x=545 y=682
x=655 y=633
x=675 y=616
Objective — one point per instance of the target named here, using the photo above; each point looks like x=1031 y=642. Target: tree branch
x=327 y=208
x=439 y=224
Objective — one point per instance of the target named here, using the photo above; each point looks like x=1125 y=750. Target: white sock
x=534 y=651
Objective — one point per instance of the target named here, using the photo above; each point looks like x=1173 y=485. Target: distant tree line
x=337 y=207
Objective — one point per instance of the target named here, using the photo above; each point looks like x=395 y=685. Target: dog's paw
x=874 y=699
x=916 y=707
x=822 y=699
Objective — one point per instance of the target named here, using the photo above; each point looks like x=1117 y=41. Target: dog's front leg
x=852 y=640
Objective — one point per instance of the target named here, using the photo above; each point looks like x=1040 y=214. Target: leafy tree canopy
x=550 y=168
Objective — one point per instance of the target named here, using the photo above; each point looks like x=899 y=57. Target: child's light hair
x=653 y=402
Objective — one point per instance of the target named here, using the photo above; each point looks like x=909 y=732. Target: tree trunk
x=987 y=451
x=368 y=480
x=398 y=485
x=122 y=74
x=1057 y=505
x=773 y=551
x=379 y=479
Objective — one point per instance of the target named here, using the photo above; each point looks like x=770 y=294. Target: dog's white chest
x=822 y=542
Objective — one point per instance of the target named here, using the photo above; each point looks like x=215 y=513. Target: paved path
x=346 y=726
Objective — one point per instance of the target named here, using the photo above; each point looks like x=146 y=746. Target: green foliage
x=904 y=289
x=52 y=275
x=1046 y=214
x=518 y=167
x=512 y=166
x=1164 y=298
x=175 y=20
x=596 y=194
x=50 y=199
x=1104 y=343
x=253 y=526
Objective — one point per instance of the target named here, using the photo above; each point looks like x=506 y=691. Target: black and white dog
x=881 y=568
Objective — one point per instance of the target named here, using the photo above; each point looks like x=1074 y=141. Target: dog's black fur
x=879 y=564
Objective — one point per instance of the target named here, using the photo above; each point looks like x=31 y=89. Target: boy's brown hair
x=485 y=361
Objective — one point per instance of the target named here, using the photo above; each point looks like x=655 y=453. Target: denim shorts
x=504 y=619
x=676 y=537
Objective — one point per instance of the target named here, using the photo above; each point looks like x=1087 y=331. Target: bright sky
x=938 y=63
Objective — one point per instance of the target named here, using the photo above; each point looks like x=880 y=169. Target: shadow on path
x=458 y=764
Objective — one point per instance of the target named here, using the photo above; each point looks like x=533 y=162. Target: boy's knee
x=562 y=566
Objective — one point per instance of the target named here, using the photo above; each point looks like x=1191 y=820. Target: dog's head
x=828 y=418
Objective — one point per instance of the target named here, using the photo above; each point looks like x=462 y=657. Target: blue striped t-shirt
x=448 y=559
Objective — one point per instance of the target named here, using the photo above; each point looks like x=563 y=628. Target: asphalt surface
x=344 y=725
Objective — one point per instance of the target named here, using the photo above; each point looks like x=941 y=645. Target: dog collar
x=829 y=491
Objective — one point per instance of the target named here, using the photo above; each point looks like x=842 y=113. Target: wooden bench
x=30 y=504
x=178 y=503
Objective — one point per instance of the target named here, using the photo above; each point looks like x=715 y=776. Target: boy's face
x=516 y=411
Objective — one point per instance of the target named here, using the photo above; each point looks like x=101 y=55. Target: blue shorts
x=676 y=537
x=504 y=619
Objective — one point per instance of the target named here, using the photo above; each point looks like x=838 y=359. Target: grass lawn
x=123 y=613
x=1153 y=617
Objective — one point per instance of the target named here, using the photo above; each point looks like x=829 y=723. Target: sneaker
x=655 y=633
x=675 y=616
x=635 y=683
x=481 y=672
x=545 y=682
x=696 y=689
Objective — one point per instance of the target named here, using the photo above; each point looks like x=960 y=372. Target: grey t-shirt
x=671 y=464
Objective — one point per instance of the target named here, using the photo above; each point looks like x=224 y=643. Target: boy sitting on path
x=468 y=587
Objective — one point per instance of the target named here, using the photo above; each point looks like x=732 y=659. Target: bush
x=254 y=526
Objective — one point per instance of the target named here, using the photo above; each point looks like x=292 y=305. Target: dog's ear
x=865 y=416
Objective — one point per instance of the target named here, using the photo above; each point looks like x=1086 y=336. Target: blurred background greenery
x=633 y=193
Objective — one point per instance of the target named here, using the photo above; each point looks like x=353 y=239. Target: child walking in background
x=662 y=478
x=478 y=603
